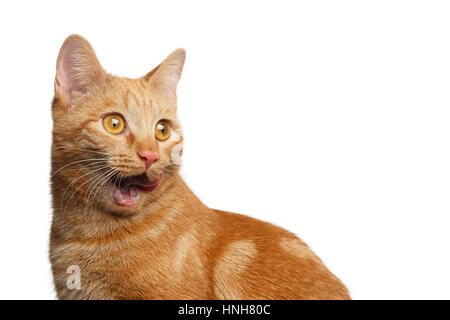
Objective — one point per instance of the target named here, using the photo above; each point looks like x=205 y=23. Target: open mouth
x=126 y=191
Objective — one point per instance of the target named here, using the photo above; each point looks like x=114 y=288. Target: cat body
x=124 y=218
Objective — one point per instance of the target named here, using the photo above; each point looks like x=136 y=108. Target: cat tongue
x=126 y=195
x=129 y=189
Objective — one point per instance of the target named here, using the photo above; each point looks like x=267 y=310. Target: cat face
x=114 y=139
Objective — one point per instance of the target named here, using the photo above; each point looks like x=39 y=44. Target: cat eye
x=114 y=124
x=162 y=130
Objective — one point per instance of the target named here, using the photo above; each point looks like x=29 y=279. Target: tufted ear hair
x=77 y=69
x=165 y=77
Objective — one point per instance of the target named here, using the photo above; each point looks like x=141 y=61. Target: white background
x=329 y=118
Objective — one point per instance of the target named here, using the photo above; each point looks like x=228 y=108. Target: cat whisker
x=79 y=161
x=62 y=210
x=84 y=183
x=78 y=178
x=79 y=149
x=99 y=185
x=94 y=183
x=171 y=168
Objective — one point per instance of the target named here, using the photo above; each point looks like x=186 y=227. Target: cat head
x=114 y=139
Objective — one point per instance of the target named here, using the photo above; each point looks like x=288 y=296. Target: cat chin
x=128 y=192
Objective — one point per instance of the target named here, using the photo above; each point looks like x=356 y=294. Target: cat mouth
x=126 y=191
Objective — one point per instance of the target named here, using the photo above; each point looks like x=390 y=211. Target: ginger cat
x=124 y=218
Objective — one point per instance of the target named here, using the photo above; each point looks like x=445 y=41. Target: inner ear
x=77 y=68
x=165 y=77
x=151 y=73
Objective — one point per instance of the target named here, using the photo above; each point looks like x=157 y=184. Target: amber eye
x=162 y=130
x=114 y=124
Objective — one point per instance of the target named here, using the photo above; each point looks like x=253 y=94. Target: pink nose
x=148 y=157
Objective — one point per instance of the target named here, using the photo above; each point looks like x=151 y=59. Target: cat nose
x=148 y=157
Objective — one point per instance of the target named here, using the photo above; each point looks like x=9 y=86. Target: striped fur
x=169 y=245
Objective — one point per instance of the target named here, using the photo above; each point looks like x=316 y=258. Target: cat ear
x=165 y=77
x=77 y=69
